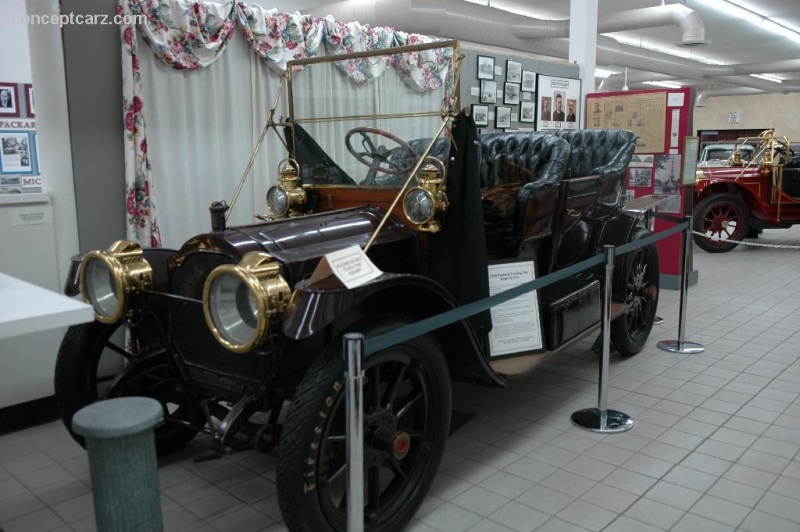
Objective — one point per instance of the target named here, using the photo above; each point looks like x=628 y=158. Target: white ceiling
x=732 y=40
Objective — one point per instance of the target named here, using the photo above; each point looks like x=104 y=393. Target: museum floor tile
x=715 y=444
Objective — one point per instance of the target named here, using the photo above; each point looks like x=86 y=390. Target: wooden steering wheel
x=377 y=157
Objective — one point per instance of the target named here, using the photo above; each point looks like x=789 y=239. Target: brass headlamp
x=422 y=203
x=240 y=301
x=109 y=277
x=285 y=198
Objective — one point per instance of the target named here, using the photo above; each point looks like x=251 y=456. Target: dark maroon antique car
x=747 y=195
x=233 y=338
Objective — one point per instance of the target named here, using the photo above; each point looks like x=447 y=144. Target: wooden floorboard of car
x=522 y=365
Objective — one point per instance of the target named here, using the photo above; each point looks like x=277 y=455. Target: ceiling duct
x=649 y=17
x=703 y=95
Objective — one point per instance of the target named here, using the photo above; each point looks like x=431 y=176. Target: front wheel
x=406 y=419
x=724 y=221
x=98 y=361
x=636 y=279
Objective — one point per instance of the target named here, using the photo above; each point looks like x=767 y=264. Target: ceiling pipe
x=705 y=94
x=772 y=67
x=649 y=17
x=615 y=81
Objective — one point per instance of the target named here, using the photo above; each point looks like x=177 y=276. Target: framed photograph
x=513 y=71
x=480 y=113
x=667 y=174
x=15 y=153
x=29 y=100
x=527 y=112
x=488 y=91
x=485 y=67
x=640 y=177
x=9 y=100
x=511 y=93
x=646 y=160
x=528 y=81
x=558 y=102
x=502 y=117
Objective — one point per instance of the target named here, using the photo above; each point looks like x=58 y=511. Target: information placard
x=516 y=324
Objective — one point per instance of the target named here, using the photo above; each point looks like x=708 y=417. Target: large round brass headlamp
x=108 y=278
x=285 y=198
x=239 y=301
x=422 y=203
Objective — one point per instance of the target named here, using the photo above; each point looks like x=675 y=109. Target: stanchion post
x=354 y=406
x=601 y=419
x=681 y=345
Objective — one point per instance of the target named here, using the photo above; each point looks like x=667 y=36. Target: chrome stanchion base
x=684 y=348
x=605 y=422
x=658 y=320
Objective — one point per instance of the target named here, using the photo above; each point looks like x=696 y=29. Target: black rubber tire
x=636 y=280
x=712 y=216
x=313 y=443
x=146 y=373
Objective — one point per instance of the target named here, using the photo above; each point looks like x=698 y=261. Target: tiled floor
x=715 y=445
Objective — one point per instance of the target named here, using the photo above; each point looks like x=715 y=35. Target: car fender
x=618 y=230
x=328 y=306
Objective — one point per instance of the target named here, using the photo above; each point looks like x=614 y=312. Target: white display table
x=27 y=308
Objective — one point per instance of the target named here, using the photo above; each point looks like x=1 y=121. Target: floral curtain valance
x=190 y=34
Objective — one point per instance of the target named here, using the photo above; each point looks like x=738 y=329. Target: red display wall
x=662 y=119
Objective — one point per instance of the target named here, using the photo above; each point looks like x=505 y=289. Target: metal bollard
x=601 y=419
x=354 y=406
x=122 y=461
x=680 y=345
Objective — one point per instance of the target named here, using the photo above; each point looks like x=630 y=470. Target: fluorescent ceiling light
x=603 y=73
x=744 y=11
x=731 y=9
x=676 y=52
x=767 y=77
x=664 y=84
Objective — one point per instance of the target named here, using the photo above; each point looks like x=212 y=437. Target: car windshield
x=366 y=120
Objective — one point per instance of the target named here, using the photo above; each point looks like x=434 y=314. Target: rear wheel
x=406 y=419
x=723 y=219
x=636 y=279
x=98 y=361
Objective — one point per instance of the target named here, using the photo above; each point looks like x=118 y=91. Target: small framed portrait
x=527 y=112
x=502 y=117
x=9 y=99
x=528 y=80
x=488 y=91
x=511 y=93
x=513 y=71
x=480 y=113
x=485 y=67
x=29 y=100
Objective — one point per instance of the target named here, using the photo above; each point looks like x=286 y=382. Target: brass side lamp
x=423 y=203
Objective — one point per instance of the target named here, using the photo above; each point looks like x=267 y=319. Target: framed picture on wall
x=511 y=93
x=488 y=91
x=15 y=153
x=29 y=100
x=527 y=112
x=557 y=100
x=485 y=67
x=9 y=100
x=502 y=117
x=513 y=71
x=480 y=113
x=528 y=81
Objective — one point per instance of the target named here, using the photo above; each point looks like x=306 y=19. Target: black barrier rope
x=407 y=332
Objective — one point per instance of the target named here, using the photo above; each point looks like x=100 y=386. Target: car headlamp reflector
x=239 y=301
x=419 y=205
x=109 y=277
x=277 y=201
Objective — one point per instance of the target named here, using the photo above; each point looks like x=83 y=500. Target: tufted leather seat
x=603 y=152
x=538 y=161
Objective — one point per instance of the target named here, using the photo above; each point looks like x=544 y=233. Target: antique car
x=741 y=199
x=239 y=336
x=721 y=153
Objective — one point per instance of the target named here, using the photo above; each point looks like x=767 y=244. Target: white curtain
x=203 y=126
